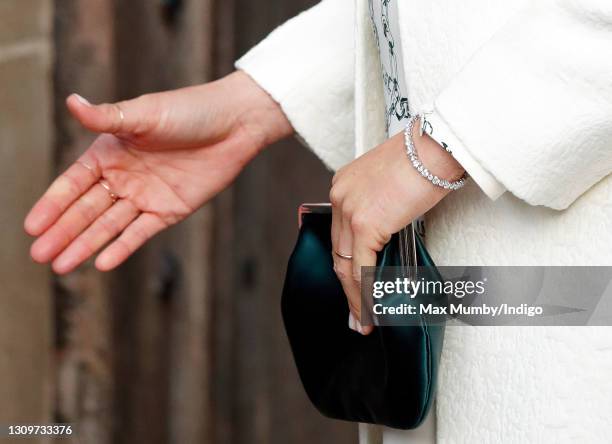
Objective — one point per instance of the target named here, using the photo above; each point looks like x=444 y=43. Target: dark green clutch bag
x=388 y=377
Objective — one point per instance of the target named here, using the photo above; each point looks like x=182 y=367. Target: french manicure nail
x=354 y=324
x=351 y=322
x=83 y=100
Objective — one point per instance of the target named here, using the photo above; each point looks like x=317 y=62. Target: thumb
x=114 y=118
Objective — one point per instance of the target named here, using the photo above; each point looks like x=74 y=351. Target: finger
x=343 y=266
x=61 y=194
x=105 y=228
x=135 y=235
x=76 y=219
x=363 y=256
x=335 y=227
x=132 y=116
x=345 y=238
x=335 y=198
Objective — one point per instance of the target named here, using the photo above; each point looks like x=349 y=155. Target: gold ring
x=88 y=167
x=119 y=126
x=121 y=115
x=107 y=187
x=348 y=257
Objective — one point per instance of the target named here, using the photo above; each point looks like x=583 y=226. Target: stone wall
x=26 y=141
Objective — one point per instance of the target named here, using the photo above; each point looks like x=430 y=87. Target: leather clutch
x=388 y=377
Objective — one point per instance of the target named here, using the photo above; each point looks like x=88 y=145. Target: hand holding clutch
x=374 y=197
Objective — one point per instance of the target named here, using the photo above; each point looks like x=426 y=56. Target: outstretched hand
x=159 y=158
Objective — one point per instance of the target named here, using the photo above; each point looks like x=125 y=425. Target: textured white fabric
x=308 y=66
x=485 y=180
x=533 y=104
x=525 y=87
x=518 y=384
x=398 y=110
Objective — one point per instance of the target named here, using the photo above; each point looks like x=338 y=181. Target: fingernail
x=351 y=322
x=83 y=100
x=354 y=324
x=61 y=266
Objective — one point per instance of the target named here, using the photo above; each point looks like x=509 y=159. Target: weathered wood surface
x=84 y=385
x=267 y=402
x=134 y=355
x=184 y=344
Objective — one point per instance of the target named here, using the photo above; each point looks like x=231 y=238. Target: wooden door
x=259 y=395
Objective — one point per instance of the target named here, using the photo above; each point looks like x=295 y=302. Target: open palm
x=161 y=164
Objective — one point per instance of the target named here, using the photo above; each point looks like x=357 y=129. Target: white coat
x=524 y=89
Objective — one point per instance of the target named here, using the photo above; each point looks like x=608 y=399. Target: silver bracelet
x=418 y=165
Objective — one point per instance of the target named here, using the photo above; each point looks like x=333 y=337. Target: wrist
x=258 y=113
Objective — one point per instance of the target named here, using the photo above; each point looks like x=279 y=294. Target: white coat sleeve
x=533 y=106
x=307 y=66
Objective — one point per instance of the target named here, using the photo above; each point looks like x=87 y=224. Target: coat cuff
x=307 y=65
x=442 y=133
x=533 y=106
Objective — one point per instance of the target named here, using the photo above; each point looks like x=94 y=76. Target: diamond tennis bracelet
x=418 y=165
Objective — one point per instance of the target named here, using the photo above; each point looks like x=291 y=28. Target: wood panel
x=153 y=353
x=84 y=385
x=134 y=354
x=267 y=402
